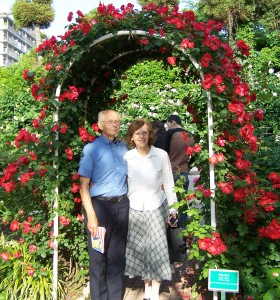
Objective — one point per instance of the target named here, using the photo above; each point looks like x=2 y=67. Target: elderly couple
x=122 y=191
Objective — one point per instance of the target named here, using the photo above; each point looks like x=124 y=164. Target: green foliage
x=169 y=3
x=229 y=12
x=268 y=13
x=155 y=92
x=23 y=276
x=235 y=14
x=30 y=13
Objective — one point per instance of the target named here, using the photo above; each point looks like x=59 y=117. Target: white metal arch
x=108 y=36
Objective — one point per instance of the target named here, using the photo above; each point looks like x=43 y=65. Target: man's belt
x=115 y=199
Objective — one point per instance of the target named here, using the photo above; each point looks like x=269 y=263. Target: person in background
x=159 y=130
x=148 y=169
x=103 y=189
x=173 y=220
x=175 y=144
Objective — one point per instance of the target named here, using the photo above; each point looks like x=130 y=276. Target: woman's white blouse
x=146 y=176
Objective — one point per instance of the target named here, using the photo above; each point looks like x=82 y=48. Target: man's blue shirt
x=103 y=163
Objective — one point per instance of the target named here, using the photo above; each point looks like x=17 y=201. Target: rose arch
x=83 y=68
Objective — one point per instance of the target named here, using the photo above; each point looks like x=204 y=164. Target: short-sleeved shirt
x=103 y=163
x=146 y=177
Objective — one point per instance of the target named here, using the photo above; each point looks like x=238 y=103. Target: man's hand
x=92 y=225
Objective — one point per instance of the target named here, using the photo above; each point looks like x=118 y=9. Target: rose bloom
x=26 y=74
x=171 y=60
x=95 y=127
x=205 y=60
x=64 y=128
x=5 y=256
x=213 y=159
x=144 y=41
x=14 y=225
x=161 y=32
x=77 y=200
x=271 y=231
x=83 y=134
x=189 y=151
x=243 y=164
x=80 y=218
x=226 y=187
x=259 y=114
x=274 y=177
x=51 y=244
x=240 y=195
x=186 y=43
x=30 y=270
x=75 y=176
x=75 y=187
x=69 y=153
x=208 y=81
x=197 y=148
x=221 y=141
x=17 y=254
x=70 y=16
x=64 y=221
x=55 y=127
x=32 y=248
x=151 y=31
x=162 y=50
x=250 y=215
x=207 y=193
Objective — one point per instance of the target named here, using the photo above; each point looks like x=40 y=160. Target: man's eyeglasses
x=111 y=122
x=144 y=133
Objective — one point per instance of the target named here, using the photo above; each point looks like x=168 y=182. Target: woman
x=149 y=171
x=160 y=131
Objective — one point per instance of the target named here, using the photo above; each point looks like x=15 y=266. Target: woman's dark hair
x=134 y=126
x=159 y=128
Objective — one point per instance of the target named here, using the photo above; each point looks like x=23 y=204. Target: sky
x=63 y=7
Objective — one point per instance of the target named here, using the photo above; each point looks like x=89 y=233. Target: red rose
x=171 y=60
x=95 y=127
x=186 y=43
x=69 y=153
x=226 y=187
x=5 y=256
x=14 y=225
x=70 y=16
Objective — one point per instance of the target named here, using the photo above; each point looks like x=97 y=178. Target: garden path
x=177 y=289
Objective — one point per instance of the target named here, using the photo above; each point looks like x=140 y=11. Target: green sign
x=223 y=280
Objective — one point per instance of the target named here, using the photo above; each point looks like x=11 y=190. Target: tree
x=36 y=14
x=234 y=13
x=268 y=14
x=229 y=12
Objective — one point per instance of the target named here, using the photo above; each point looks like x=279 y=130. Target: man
x=103 y=189
x=175 y=144
x=176 y=141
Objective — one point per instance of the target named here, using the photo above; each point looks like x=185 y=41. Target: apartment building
x=13 y=42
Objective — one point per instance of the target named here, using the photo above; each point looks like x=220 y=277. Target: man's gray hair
x=102 y=113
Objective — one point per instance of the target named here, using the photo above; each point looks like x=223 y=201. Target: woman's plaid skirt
x=147 y=250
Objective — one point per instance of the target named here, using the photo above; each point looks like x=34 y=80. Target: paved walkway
x=177 y=289
x=182 y=286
